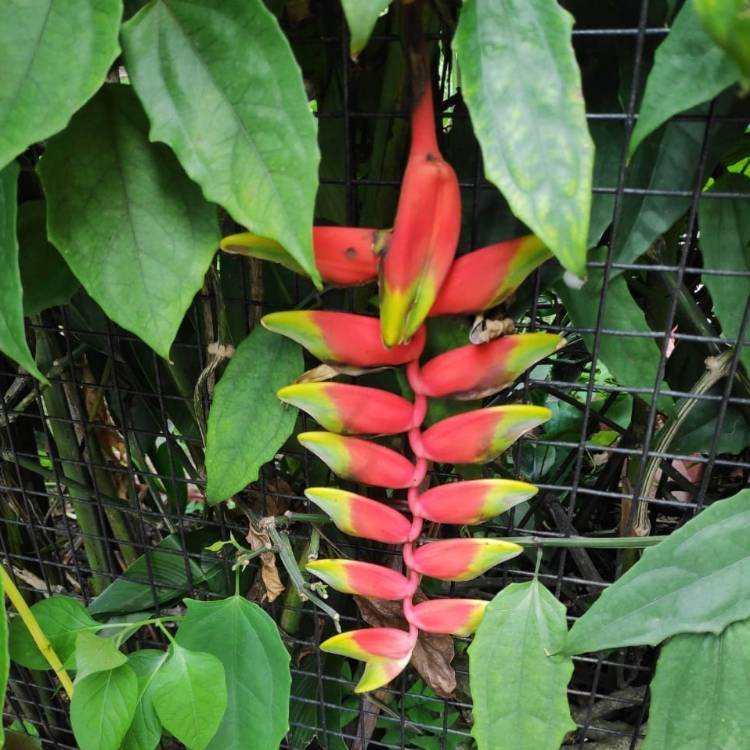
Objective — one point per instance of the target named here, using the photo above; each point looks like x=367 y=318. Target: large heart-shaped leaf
x=247 y=423
x=256 y=664
x=190 y=695
x=521 y=82
x=699 y=692
x=518 y=685
x=669 y=90
x=725 y=246
x=222 y=88
x=134 y=229
x=12 y=335
x=53 y=58
x=697 y=580
x=102 y=708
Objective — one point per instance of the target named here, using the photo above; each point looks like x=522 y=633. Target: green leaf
x=144 y=732
x=725 y=246
x=668 y=160
x=522 y=85
x=44 y=80
x=256 y=665
x=45 y=276
x=12 y=334
x=222 y=88
x=700 y=426
x=728 y=22
x=668 y=90
x=190 y=695
x=132 y=227
x=165 y=566
x=608 y=138
x=694 y=581
x=632 y=360
x=61 y=619
x=96 y=654
x=699 y=692
x=102 y=708
x=246 y=395
x=361 y=17
x=518 y=687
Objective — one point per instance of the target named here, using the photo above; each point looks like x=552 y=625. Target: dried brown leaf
x=433 y=653
x=268 y=571
x=485 y=329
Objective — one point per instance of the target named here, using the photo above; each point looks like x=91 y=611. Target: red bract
x=351 y=409
x=360 y=460
x=482 y=435
x=342 y=338
x=425 y=234
x=485 y=278
x=345 y=256
x=462 y=559
x=452 y=616
x=476 y=371
x=472 y=502
x=417 y=277
x=360 y=516
x=364 y=579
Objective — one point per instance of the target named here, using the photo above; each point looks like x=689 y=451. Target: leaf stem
x=170 y=637
x=572 y=542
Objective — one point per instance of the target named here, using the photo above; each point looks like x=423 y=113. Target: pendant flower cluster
x=418 y=277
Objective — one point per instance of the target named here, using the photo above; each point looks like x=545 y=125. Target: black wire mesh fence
x=115 y=443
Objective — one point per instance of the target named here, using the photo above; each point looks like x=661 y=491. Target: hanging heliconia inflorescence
x=418 y=277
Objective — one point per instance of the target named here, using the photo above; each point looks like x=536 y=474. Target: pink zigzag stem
x=420 y=471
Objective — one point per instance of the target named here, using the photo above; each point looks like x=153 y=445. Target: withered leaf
x=268 y=570
x=433 y=653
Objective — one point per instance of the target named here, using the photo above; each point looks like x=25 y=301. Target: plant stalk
x=60 y=426
x=35 y=631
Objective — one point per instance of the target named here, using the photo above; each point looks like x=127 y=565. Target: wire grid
x=568 y=496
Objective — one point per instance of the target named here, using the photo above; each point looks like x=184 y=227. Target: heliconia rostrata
x=418 y=277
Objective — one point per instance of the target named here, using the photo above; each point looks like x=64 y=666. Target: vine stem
x=35 y=630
